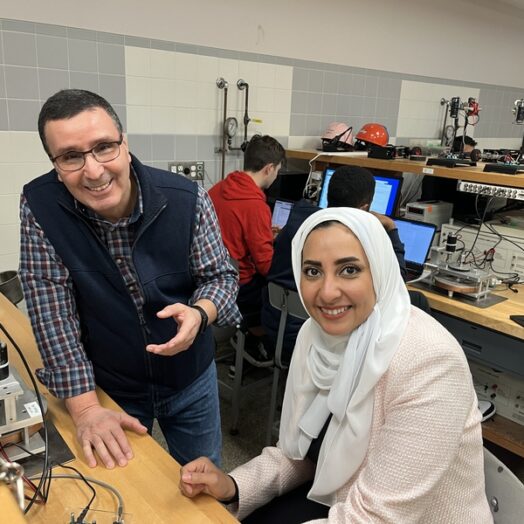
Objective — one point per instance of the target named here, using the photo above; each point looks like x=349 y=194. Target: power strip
x=192 y=170
x=516 y=193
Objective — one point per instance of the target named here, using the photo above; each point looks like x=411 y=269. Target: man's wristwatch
x=203 y=316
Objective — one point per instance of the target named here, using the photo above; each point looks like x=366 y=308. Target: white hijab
x=338 y=374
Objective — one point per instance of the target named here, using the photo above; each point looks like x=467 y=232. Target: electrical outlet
x=193 y=170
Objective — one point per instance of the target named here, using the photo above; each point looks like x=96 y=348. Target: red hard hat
x=373 y=134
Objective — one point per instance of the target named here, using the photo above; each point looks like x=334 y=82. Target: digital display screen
x=417 y=238
x=281 y=213
x=387 y=193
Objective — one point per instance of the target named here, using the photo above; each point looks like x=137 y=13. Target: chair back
x=11 y=287
x=505 y=492
x=288 y=302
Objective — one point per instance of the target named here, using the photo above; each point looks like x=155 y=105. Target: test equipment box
x=432 y=211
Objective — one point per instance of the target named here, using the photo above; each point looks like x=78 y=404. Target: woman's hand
x=202 y=476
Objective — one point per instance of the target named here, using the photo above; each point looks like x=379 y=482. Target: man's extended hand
x=188 y=320
x=100 y=430
x=202 y=476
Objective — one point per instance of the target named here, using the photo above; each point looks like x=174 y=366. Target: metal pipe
x=222 y=84
x=242 y=84
x=445 y=102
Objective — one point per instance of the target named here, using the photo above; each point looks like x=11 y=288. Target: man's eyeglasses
x=74 y=160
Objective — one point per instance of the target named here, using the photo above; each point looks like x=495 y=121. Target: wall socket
x=193 y=170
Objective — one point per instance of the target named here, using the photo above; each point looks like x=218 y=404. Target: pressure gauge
x=231 y=126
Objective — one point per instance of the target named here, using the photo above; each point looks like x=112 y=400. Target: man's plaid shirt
x=49 y=293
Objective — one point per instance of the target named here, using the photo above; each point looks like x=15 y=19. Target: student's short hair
x=351 y=186
x=68 y=103
x=457 y=142
x=261 y=151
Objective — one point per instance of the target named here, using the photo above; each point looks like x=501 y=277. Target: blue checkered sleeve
x=48 y=292
x=215 y=277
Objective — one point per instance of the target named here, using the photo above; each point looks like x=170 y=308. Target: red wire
x=27 y=481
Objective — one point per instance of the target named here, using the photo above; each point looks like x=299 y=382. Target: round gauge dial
x=231 y=126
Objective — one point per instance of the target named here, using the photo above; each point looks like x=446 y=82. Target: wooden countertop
x=505 y=433
x=473 y=174
x=494 y=317
x=148 y=485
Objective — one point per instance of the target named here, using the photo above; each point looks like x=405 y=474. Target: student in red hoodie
x=245 y=220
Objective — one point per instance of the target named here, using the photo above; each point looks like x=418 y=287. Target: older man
x=123 y=269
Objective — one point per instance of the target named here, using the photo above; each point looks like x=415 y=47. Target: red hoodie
x=245 y=223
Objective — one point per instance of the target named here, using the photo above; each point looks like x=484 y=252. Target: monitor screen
x=385 y=199
x=417 y=238
x=281 y=212
x=387 y=193
x=322 y=201
x=289 y=185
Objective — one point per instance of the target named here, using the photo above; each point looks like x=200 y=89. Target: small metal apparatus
x=11 y=474
x=518 y=111
x=474 y=283
x=19 y=412
x=448 y=271
x=468 y=110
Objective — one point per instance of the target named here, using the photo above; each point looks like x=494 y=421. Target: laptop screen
x=417 y=238
x=281 y=212
x=387 y=193
x=385 y=198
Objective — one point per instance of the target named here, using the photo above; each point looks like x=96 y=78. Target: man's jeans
x=189 y=419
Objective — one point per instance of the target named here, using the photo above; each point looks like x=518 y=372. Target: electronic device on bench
x=20 y=415
x=417 y=238
x=281 y=211
x=432 y=211
x=452 y=270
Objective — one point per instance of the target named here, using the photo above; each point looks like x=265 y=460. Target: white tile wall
x=207 y=67
x=420 y=113
x=187 y=66
x=139 y=119
x=162 y=64
x=138 y=61
x=138 y=91
x=9 y=209
x=304 y=142
x=176 y=93
x=22 y=159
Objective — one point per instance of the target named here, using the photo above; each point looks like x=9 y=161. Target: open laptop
x=417 y=238
x=281 y=211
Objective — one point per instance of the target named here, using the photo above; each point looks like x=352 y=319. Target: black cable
x=493 y=230
x=480 y=225
x=42 y=411
x=84 y=512
x=509 y=282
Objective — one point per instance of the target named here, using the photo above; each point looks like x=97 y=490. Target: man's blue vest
x=113 y=334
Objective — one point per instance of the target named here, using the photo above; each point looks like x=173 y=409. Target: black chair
x=11 y=287
x=238 y=387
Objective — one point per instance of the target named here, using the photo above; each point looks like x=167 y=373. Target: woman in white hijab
x=380 y=420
